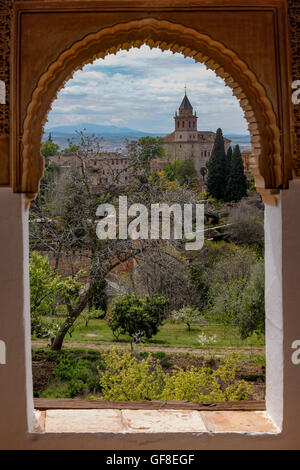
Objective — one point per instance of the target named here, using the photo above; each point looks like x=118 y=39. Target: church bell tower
x=185 y=122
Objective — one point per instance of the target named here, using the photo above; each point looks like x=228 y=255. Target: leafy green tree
x=187 y=315
x=216 y=179
x=47 y=289
x=73 y=148
x=183 y=171
x=151 y=147
x=171 y=169
x=49 y=148
x=237 y=182
x=137 y=317
x=144 y=150
x=45 y=285
x=226 y=301
x=251 y=317
x=186 y=172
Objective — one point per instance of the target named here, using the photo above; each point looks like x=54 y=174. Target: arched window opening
x=93 y=322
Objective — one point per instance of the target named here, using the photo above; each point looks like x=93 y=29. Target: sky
x=141 y=89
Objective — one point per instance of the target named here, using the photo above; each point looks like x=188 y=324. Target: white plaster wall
x=16 y=403
x=291 y=307
x=274 y=312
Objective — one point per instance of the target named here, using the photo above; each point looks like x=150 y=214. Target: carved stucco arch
x=266 y=161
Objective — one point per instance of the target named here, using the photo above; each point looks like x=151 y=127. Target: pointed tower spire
x=185 y=104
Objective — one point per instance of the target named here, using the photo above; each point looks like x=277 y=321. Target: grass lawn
x=169 y=335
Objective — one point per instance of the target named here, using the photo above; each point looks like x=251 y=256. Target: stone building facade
x=105 y=168
x=186 y=141
x=109 y=168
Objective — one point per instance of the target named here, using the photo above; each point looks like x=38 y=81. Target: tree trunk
x=69 y=322
x=57 y=342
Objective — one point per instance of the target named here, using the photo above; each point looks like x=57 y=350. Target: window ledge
x=151 y=421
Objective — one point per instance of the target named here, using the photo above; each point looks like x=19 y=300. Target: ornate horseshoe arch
x=266 y=161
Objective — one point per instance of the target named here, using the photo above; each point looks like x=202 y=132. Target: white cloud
x=142 y=88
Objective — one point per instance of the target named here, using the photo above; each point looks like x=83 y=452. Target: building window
x=180 y=136
x=182 y=123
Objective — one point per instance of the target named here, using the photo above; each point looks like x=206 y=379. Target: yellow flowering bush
x=206 y=385
x=123 y=377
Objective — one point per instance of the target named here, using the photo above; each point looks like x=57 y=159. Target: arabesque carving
x=294 y=17
x=5 y=30
x=265 y=136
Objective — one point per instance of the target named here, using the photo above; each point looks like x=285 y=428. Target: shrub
x=73 y=376
x=137 y=317
x=124 y=378
x=205 y=385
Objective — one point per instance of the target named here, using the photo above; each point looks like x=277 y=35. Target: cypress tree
x=216 y=179
x=237 y=181
x=228 y=162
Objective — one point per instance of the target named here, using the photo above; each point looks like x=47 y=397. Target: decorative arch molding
x=266 y=160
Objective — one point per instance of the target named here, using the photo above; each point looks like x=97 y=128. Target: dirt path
x=203 y=352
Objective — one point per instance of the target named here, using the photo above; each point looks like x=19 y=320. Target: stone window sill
x=151 y=421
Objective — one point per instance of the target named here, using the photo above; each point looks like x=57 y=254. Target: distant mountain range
x=116 y=135
x=97 y=129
